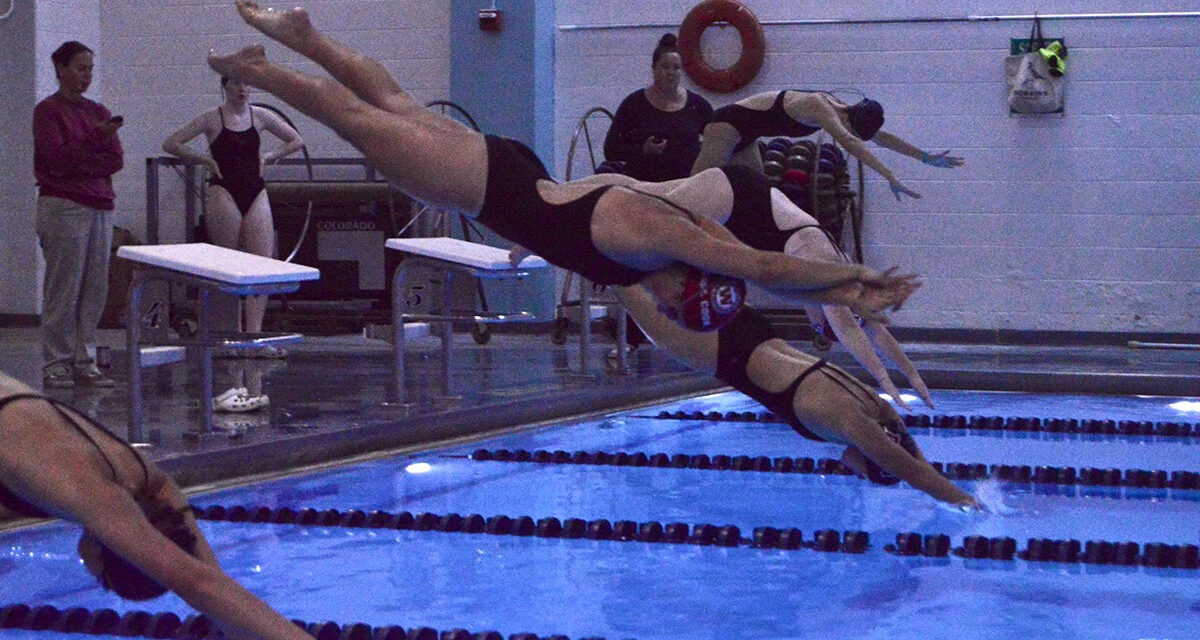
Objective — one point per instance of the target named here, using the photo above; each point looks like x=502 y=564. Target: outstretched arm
x=76 y=487
x=941 y=160
x=886 y=344
x=869 y=440
x=826 y=115
x=709 y=246
x=852 y=336
x=113 y=518
x=867 y=301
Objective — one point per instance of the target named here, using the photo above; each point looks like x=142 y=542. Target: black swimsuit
x=19 y=505
x=560 y=233
x=738 y=340
x=735 y=342
x=753 y=124
x=236 y=153
x=752 y=219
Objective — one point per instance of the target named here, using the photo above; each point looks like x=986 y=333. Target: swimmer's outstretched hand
x=893 y=393
x=923 y=392
x=968 y=506
x=880 y=280
x=942 y=160
x=882 y=291
x=898 y=189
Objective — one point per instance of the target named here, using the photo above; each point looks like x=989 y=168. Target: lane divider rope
x=1016 y=474
x=1098 y=552
x=198 y=626
x=980 y=423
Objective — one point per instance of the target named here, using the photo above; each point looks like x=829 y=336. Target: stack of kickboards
x=814 y=176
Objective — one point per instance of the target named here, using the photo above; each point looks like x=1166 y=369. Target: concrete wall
x=1085 y=222
x=18 y=244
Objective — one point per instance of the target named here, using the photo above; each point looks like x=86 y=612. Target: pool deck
x=331 y=398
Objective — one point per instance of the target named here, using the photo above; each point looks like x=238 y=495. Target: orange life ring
x=754 y=45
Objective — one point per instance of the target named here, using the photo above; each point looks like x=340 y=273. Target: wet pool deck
x=332 y=398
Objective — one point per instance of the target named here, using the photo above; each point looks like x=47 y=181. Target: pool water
x=595 y=588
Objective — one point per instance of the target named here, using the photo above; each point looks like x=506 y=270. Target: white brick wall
x=18 y=243
x=62 y=20
x=1087 y=222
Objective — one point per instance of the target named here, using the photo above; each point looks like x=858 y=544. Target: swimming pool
x=582 y=587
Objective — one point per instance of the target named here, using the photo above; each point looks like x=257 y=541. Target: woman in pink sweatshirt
x=76 y=152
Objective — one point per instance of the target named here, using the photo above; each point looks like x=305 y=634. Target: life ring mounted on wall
x=754 y=45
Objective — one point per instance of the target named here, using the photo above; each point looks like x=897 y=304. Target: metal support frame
x=585 y=329
x=205 y=338
x=447 y=316
x=585 y=287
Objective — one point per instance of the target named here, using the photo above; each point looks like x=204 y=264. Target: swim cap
x=710 y=300
x=866 y=118
x=877 y=474
x=128 y=581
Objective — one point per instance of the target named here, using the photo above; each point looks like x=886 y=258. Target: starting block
x=450 y=257
x=209 y=268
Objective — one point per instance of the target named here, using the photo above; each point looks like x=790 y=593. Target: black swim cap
x=866 y=118
x=131 y=583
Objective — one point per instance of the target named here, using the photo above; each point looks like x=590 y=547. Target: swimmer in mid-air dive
x=730 y=137
x=762 y=217
x=817 y=399
x=610 y=235
x=139 y=535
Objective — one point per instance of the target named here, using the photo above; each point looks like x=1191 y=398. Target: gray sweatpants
x=75 y=242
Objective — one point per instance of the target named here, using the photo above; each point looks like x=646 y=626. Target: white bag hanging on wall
x=1032 y=88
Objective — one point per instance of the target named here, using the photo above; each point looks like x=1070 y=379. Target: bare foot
x=288 y=27
x=240 y=64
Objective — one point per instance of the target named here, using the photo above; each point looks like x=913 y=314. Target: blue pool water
x=584 y=588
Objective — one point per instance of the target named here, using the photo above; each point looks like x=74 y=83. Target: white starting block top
x=472 y=254
x=218 y=263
